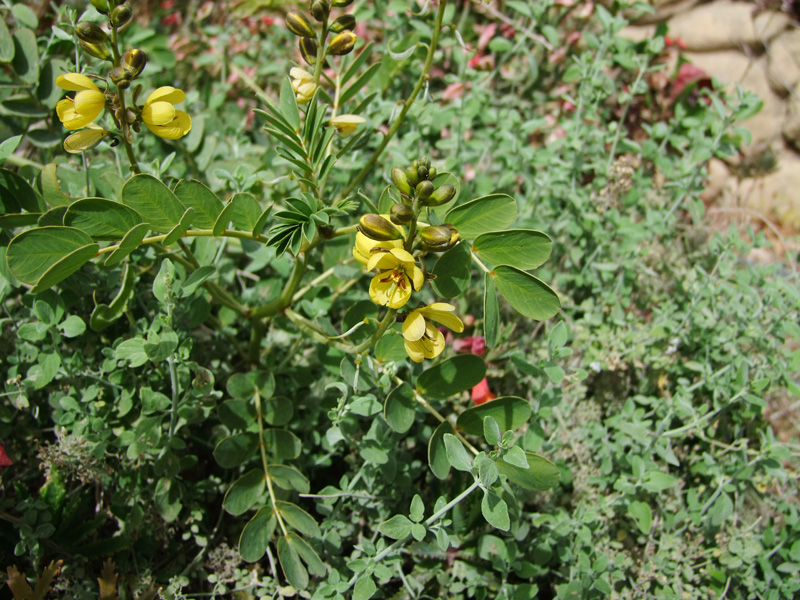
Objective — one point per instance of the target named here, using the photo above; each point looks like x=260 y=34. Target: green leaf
x=25 y=16
x=100 y=218
x=240 y=386
x=315 y=565
x=452 y=376
x=288 y=102
x=495 y=511
x=521 y=248
x=196 y=279
x=364 y=588
x=54 y=252
x=417 y=509
x=72 y=326
x=278 y=410
x=657 y=481
x=488 y=472
x=289 y=478
x=282 y=443
x=456 y=454
x=26 y=56
x=293 y=568
x=165 y=282
x=177 y=232
x=390 y=348
x=359 y=83
x=8 y=146
x=132 y=351
x=437 y=452
x=510 y=413
x=491 y=312
x=236 y=450
x=246 y=212
x=453 y=271
x=298 y=518
x=418 y=531
x=494 y=212
x=256 y=534
x=104 y=315
x=149 y=197
x=642 y=515
x=396 y=528
x=400 y=407
x=526 y=294
x=491 y=431
x=6 y=43
x=540 y=475
x=131 y=241
x=244 y=492
x=17 y=195
x=205 y=203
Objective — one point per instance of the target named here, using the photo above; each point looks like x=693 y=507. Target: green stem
x=406 y=105
x=320 y=53
x=289 y=289
x=388 y=319
x=126 y=130
x=479 y=263
x=265 y=464
x=242 y=235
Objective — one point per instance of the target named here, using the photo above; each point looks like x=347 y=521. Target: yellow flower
x=366 y=248
x=87 y=104
x=421 y=337
x=302 y=84
x=399 y=275
x=160 y=116
x=346 y=124
x=84 y=139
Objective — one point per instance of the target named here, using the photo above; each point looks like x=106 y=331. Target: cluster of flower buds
x=416 y=181
x=343 y=40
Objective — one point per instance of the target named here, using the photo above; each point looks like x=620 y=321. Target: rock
x=718 y=176
x=773 y=196
x=783 y=68
x=664 y=9
x=638 y=33
x=791 y=125
x=726 y=25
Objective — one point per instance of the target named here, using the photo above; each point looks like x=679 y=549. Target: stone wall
x=760 y=52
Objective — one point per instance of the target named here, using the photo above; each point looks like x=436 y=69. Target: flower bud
x=401 y=214
x=299 y=25
x=401 y=181
x=121 y=15
x=342 y=43
x=377 y=228
x=121 y=77
x=425 y=162
x=424 y=190
x=91 y=32
x=442 y=195
x=411 y=175
x=320 y=9
x=422 y=172
x=342 y=3
x=134 y=60
x=436 y=238
x=432 y=173
x=308 y=48
x=344 y=22
x=454 y=235
x=102 y=6
x=100 y=51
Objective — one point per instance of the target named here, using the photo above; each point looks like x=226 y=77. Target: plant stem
x=388 y=319
x=126 y=131
x=406 y=105
x=265 y=464
x=289 y=289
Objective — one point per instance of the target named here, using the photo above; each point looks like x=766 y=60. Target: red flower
x=470 y=345
x=481 y=393
x=5 y=461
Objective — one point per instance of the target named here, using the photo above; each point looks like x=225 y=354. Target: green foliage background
x=137 y=438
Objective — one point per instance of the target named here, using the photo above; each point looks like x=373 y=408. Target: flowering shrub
x=292 y=344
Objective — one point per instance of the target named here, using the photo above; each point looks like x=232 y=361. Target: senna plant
x=421 y=246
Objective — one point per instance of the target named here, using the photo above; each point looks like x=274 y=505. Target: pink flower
x=481 y=393
x=470 y=345
x=5 y=461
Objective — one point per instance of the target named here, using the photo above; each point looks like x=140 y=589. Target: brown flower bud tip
x=436 y=238
x=100 y=51
x=442 y=195
x=134 y=60
x=308 y=49
x=401 y=181
x=401 y=214
x=424 y=189
x=299 y=25
x=320 y=9
x=91 y=32
x=342 y=43
x=377 y=228
x=121 y=15
x=347 y=22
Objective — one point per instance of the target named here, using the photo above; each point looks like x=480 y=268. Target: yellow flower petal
x=301 y=74
x=346 y=124
x=366 y=248
x=177 y=128
x=166 y=94
x=430 y=345
x=70 y=118
x=75 y=82
x=415 y=351
x=90 y=103
x=158 y=113
x=389 y=293
x=84 y=139
x=440 y=312
x=414 y=326
x=417 y=277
